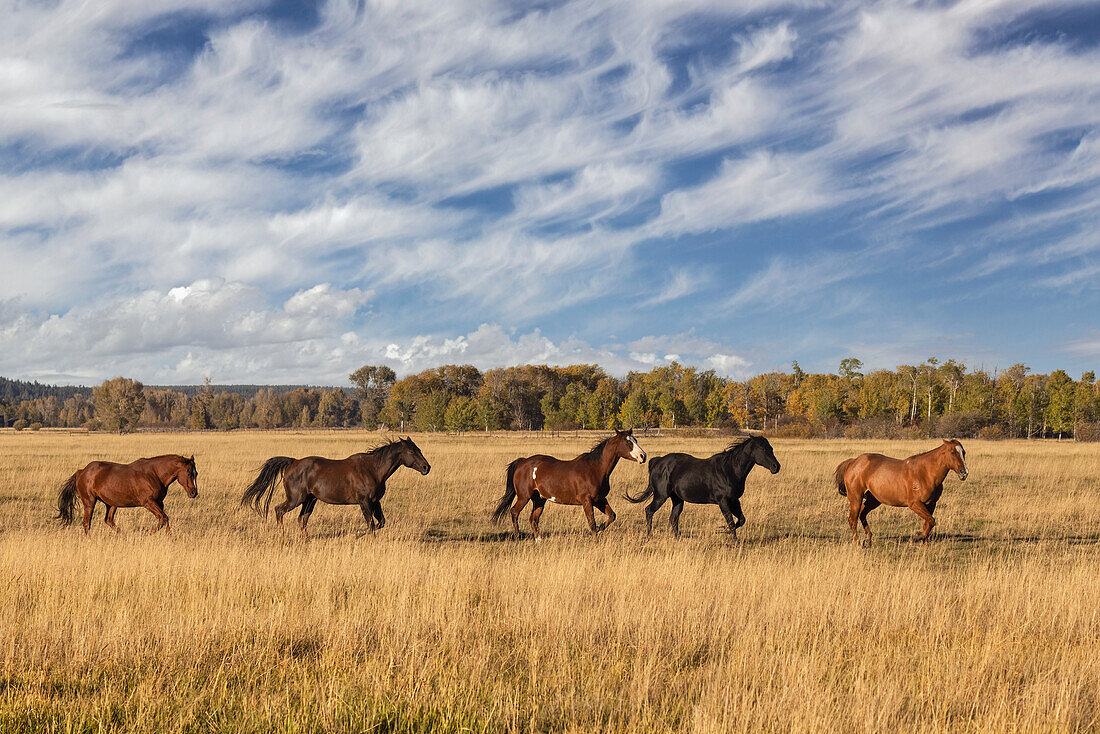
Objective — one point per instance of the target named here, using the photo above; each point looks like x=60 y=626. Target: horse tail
x=509 y=493
x=648 y=490
x=841 y=470
x=272 y=469
x=66 y=498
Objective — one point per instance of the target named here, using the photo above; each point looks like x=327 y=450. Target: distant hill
x=245 y=391
x=17 y=390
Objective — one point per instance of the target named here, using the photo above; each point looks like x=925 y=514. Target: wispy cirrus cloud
x=559 y=171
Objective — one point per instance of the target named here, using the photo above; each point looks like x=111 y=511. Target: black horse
x=719 y=480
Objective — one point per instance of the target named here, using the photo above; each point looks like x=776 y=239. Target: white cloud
x=763 y=186
x=729 y=365
x=787 y=284
x=683 y=283
x=208 y=315
x=274 y=160
x=767 y=46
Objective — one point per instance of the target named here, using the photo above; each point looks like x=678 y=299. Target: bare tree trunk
x=913 y=401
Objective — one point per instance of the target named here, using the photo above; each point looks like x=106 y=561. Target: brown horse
x=359 y=479
x=142 y=483
x=870 y=480
x=581 y=481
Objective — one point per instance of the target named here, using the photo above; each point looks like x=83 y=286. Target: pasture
x=441 y=622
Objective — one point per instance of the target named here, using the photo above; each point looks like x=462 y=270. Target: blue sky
x=281 y=192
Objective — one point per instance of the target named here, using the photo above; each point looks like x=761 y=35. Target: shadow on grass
x=443 y=535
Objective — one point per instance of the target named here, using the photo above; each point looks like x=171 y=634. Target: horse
x=870 y=480
x=359 y=479
x=581 y=481
x=718 y=480
x=142 y=483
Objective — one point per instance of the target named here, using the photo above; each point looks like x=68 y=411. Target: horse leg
x=931 y=503
x=651 y=508
x=603 y=506
x=89 y=508
x=870 y=502
x=368 y=513
x=303 y=516
x=110 y=519
x=674 y=516
x=284 y=507
x=586 y=503
x=922 y=512
x=727 y=512
x=520 y=503
x=735 y=507
x=536 y=513
x=855 y=502
x=376 y=510
x=158 y=510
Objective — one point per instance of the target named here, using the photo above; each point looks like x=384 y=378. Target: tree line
x=933 y=398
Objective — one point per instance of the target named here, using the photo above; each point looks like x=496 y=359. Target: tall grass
x=440 y=622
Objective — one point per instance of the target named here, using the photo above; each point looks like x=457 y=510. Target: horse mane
x=596 y=452
x=929 y=452
x=382 y=447
x=739 y=443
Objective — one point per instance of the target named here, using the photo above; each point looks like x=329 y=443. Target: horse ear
x=630 y=431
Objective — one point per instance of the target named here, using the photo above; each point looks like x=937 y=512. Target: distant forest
x=933 y=398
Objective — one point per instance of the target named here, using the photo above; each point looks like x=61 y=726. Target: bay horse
x=870 y=480
x=141 y=483
x=359 y=479
x=581 y=481
x=718 y=480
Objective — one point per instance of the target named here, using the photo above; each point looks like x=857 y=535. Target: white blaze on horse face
x=636 y=453
x=962 y=457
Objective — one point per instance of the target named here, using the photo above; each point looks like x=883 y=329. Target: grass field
x=441 y=622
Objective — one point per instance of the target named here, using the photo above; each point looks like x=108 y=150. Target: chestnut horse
x=870 y=480
x=359 y=479
x=581 y=481
x=142 y=483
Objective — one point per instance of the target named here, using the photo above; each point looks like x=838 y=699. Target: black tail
x=66 y=498
x=509 y=493
x=649 y=488
x=643 y=496
x=272 y=469
x=839 y=477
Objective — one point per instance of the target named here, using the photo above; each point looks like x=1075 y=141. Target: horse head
x=763 y=455
x=956 y=457
x=411 y=457
x=628 y=447
x=188 y=476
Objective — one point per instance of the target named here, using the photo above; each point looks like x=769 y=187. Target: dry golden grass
x=441 y=623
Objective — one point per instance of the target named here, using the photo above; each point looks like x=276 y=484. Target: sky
x=281 y=192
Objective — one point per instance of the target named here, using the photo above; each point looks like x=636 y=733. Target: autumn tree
x=373 y=383
x=118 y=404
